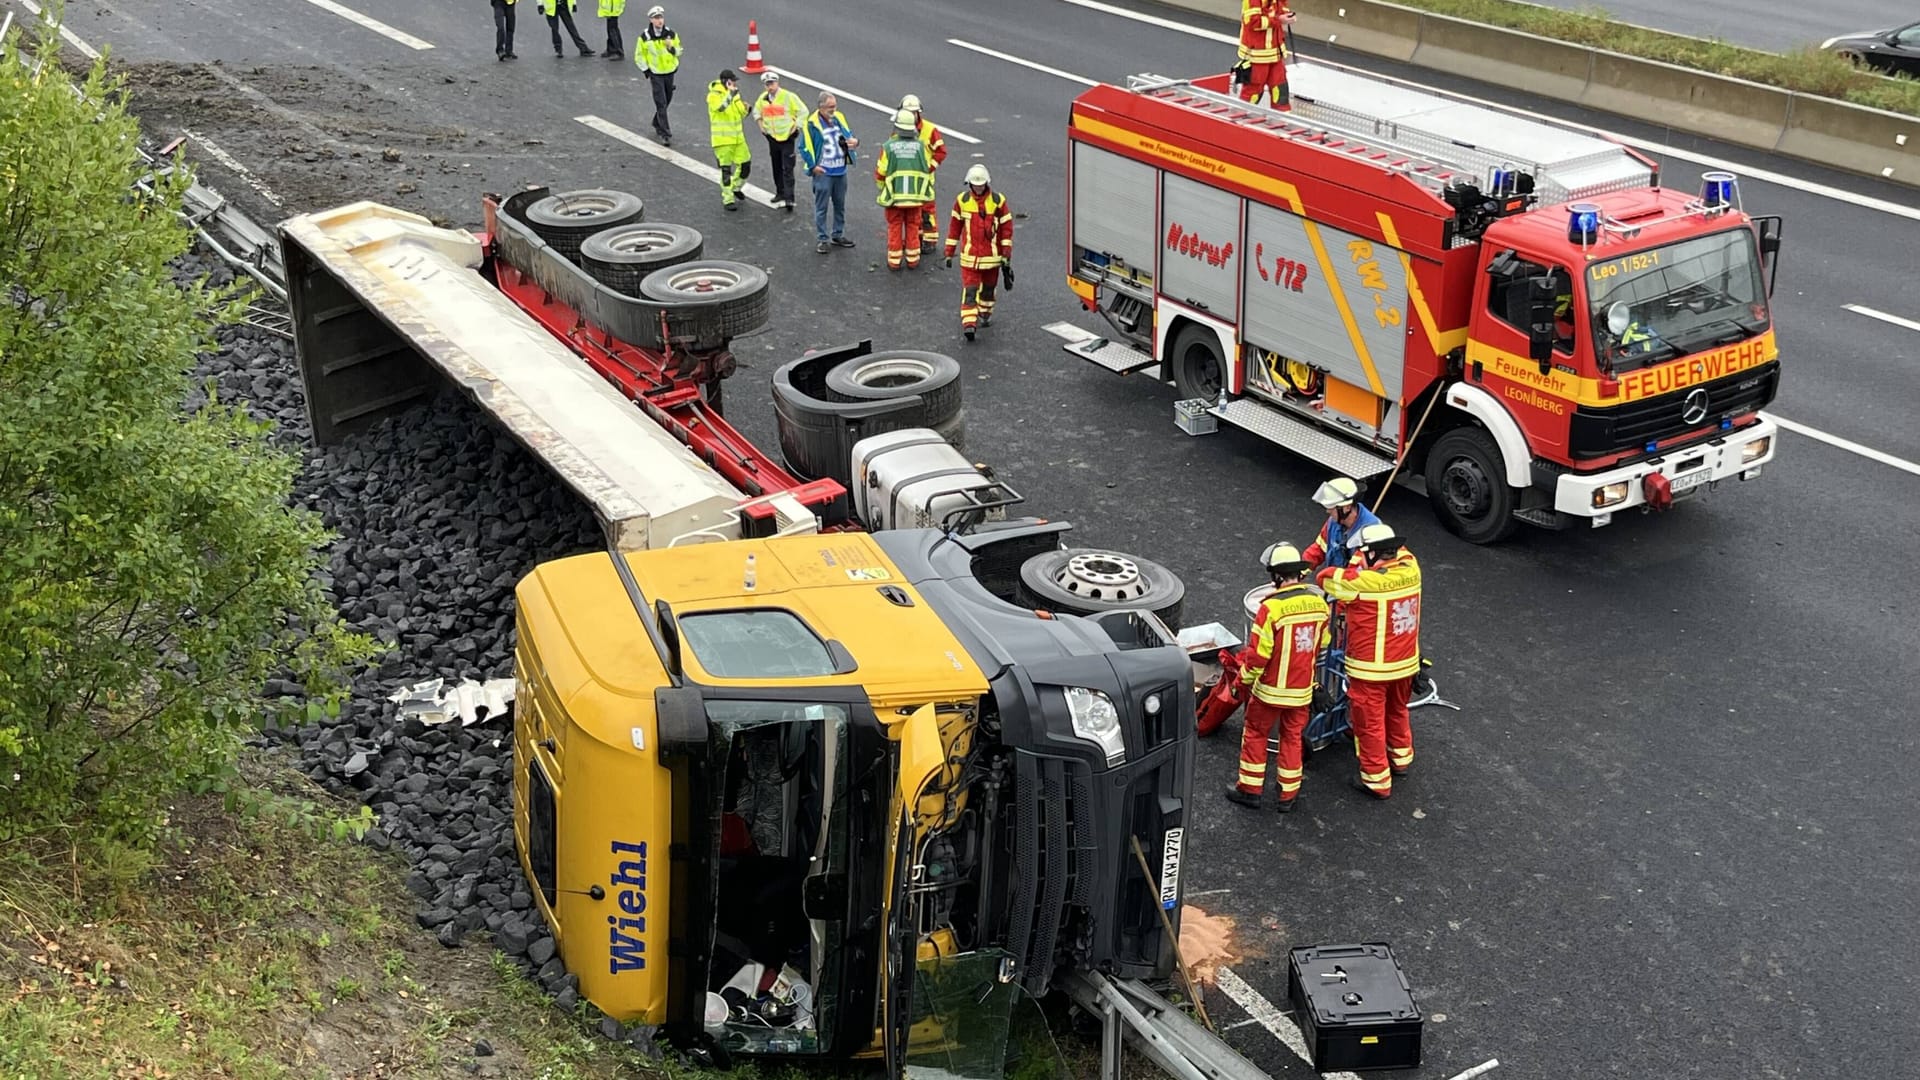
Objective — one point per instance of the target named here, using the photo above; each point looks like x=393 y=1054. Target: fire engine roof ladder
x=1434 y=140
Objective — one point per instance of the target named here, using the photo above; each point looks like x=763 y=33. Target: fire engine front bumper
x=1685 y=472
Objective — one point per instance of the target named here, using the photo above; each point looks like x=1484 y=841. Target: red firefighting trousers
x=1261 y=718
x=1268 y=83
x=903 y=235
x=977 y=295
x=1382 y=734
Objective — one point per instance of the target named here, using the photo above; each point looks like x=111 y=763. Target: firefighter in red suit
x=1288 y=634
x=1263 y=26
x=981 y=230
x=1380 y=591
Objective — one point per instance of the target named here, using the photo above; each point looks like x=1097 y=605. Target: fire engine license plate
x=1170 y=869
x=1689 y=481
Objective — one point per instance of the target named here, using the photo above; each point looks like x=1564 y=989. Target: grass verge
x=254 y=944
x=1806 y=70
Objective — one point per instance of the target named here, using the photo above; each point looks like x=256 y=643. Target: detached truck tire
x=1093 y=581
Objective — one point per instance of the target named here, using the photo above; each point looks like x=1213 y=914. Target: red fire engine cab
x=1515 y=316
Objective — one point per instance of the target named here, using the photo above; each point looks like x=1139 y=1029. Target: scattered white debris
x=470 y=700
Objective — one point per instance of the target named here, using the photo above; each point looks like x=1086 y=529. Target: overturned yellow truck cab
x=836 y=796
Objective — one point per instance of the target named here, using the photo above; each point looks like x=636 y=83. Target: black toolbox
x=1355 y=1007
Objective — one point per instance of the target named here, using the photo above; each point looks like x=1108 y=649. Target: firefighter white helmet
x=656 y=11
x=903 y=121
x=911 y=103
x=1338 y=491
x=1283 y=558
x=1377 y=537
x=978 y=175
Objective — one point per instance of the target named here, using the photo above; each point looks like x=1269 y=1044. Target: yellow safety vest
x=659 y=55
x=548 y=6
x=780 y=114
x=612 y=9
x=725 y=111
x=903 y=174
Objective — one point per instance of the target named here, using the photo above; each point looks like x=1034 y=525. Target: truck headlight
x=1097 y=721
x=1756 y=449
x=1611 y=494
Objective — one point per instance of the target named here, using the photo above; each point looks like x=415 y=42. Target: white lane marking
x=1860 y=309
x=233 y=163
x=372 y=24
x=672 y=157
x=1056 y=72
x=1865 y=201
x=1478 y=1070
x=888 y=110
x=72 y=38
x=1847 y=444
x=1276 y=1022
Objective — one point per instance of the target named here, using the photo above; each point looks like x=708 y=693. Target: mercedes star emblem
x=1695 y=410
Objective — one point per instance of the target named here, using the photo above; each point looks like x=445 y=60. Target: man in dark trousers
x=658 y=54
x=503 y=30
x=611 y=10
x=561 y=11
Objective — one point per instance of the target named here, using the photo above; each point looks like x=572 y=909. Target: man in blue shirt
x=1340 y=497
x=826 y=150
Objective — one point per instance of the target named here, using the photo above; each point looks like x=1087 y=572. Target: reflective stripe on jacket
x=813 y=148
x=1383 y=618
x=725 y=112
x=779 y=115
x=902 y=172
x=658 y=53
x=986 y=226
x=936 y=143
x=1288 y=634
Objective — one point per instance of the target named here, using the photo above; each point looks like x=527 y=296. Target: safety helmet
x=911 y=103
x=1336 y=492
x=1283 y=559
x=1375 y=537
x=903 y=120
x=727 y=75
x=656 y=11
x=978 y=175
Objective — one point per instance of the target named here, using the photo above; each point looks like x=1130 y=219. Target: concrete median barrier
x=1822 y=130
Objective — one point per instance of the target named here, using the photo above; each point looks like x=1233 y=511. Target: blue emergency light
x=1717 y=189
x=1583 y=223
x=1502 y=179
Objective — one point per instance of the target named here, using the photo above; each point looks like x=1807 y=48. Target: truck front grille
x=1598 y=431
x=1054 y=828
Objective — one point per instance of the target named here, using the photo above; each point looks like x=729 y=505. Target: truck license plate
x=1170 y=869
x=1689 y=481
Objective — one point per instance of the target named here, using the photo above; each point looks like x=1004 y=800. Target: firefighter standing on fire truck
x=1288 y=634
x=1379 y=590
x=1262 y=36
x=981 y=228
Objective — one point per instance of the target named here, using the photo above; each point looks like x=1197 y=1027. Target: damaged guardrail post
x=1132 y=1011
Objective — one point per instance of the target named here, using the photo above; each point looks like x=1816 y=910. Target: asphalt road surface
x=1671 y=832
x=1778 y=27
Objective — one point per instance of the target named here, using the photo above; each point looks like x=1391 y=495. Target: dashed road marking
x=372 y=24
x=1848 y=445
x=1872 y=313
x=1011 y=59
x=1745 y=171
x=671 y=156
x=71 y=38
x=233 y=163
x=887 y=110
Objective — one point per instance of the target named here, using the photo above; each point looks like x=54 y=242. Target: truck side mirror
x=1542 y=298
x=1769 y=228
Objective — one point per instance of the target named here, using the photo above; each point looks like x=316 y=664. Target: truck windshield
x=1661 y=303
x=783 y=811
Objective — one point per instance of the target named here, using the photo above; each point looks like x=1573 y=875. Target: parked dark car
x=1896 y=51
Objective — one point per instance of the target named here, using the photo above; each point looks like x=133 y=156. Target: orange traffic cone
x=754 y=63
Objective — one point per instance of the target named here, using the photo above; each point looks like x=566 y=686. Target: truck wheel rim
x=584 y=206
x=640 y=241
x=703 y=279
x=1101 y=575
x=1466 y=489
x=1206 y=370
x=894 y=371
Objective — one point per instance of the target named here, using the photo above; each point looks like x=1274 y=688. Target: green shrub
x=152 y=573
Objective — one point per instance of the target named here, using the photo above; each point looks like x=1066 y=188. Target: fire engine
x=1515 y=316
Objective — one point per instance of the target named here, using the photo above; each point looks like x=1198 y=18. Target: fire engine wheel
x=1198 y=369
x=736 y=288
x=1092 y=581
x=621 y=258
x=898 y=373
x=1468 y=487
x=567 y=219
